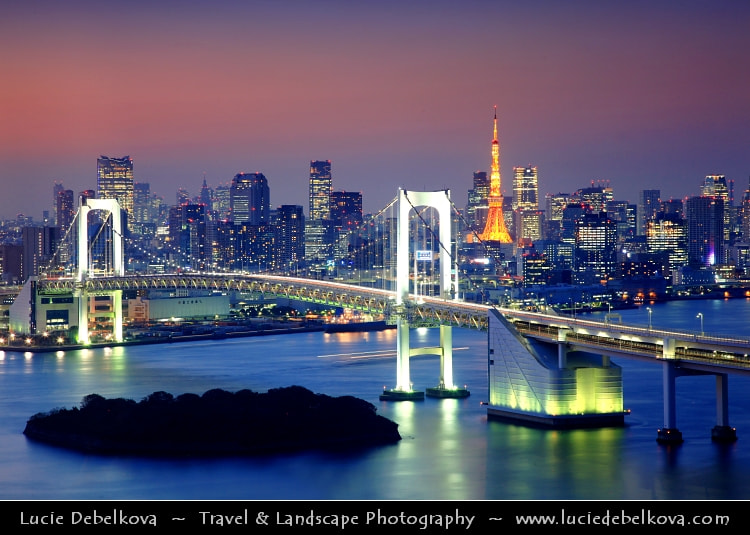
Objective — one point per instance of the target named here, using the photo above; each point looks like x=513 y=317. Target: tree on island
x=217 y=423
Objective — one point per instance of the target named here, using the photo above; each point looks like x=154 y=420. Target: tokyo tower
x=494 y=229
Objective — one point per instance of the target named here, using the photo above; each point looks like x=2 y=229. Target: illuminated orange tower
x=494 y=229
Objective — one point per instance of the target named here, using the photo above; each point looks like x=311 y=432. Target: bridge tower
x=405 y=303
x=84 y=271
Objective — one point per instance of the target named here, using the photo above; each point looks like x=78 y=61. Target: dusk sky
x=641 y=94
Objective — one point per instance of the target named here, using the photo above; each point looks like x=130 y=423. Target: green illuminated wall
x=525 y=380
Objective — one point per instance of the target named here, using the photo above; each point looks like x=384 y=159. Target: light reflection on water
x=449 y=450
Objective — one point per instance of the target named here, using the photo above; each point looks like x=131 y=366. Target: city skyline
x=643 y=95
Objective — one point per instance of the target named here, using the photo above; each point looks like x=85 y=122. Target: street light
x=700 y=316
x=649 y=317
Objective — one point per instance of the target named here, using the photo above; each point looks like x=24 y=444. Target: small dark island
x=218 y=423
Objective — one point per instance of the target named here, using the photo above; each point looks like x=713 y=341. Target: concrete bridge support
x=670 y=434
x=722 y=431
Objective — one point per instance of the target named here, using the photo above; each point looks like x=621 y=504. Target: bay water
x=449 y=450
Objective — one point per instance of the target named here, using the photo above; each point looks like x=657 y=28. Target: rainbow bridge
x=543 y=368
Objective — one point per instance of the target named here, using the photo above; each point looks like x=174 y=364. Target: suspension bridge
x=543 y=368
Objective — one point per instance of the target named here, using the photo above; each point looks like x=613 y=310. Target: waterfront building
x=705 y=225
x=179 y=304
x=716 y=187
x=11 y=260
x=250 y=199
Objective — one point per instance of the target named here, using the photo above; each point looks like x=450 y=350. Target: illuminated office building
x=250 y=199
x=705 y=234
x=321 y=186
x=476 y=208
x=289 y=225
x=668 y=233
x=595 y=242
x=525 y=188
x=114 y=180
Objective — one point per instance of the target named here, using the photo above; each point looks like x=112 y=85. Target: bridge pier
x=669 y=434
x=722 y=431
x=403 y=390
x=83 y=317
x=446 y=388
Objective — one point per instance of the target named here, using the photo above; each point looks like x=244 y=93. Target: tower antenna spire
x=495 y=229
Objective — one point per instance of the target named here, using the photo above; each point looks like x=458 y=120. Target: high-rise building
x=290 y=237
x=705 y=224
x=206 y=196
x=86 y=194
x=39 y=247
x=65 y=209
x=114 y=180
x=141 y=202
x=495 y=229
x=477 y=206
x=716 y=187
x=668 y=233
x=525 y=188
x=346 y=209
x=596 y=251
x=321 y=186
x=57 y=188
x=250 y=199
x=649 y=203
x=221 y=201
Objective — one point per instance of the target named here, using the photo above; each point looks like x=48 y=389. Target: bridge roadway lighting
x=648 y=309
x=700 y=316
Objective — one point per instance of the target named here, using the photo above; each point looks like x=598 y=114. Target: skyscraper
x=705 y=231
x=65 y=209
x=649 y=203
x=476 y=208
x=290 y=237
x=596 y=251
x=495 y=229
x=321 y=185
x=525 y=188
x=716 y=187
x=528 y=220
x=346 y=209
x=249 y=199
x=114 y=180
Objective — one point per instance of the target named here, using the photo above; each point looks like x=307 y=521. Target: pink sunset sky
x=640 y=94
